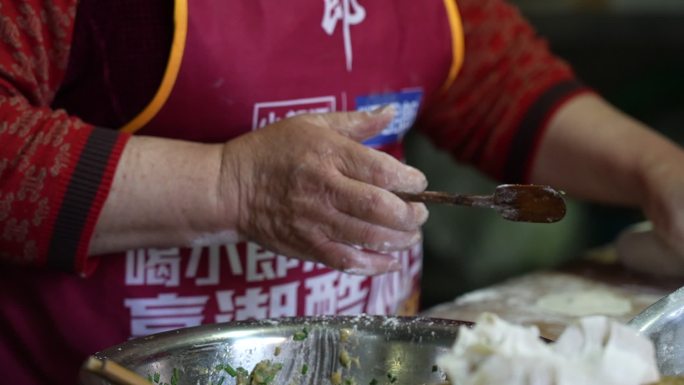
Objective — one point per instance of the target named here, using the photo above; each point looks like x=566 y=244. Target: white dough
x=584 y=303
x=595 y=351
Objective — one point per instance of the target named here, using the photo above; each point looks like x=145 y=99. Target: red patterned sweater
x=70 y=73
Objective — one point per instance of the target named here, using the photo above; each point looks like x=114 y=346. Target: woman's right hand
x=305 y=187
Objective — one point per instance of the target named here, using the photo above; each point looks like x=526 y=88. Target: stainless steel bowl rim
x=407 y=347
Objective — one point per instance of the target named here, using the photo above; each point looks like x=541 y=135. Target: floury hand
x=305 y=187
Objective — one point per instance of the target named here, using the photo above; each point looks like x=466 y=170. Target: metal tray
x=382 y=351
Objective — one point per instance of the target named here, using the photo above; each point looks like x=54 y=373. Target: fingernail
x=366 y=269
x=387 y=109
x=374 y=263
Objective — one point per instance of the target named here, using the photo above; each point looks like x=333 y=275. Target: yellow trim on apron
x=180 y=18
x=457 y=42
x=178 y=47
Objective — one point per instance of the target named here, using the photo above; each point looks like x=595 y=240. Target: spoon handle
x=114 y=372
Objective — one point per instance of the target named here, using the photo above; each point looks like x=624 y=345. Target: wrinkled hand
x=657 y=247
x=305 y=187
x=665 y=203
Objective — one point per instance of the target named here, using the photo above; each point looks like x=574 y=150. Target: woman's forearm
x=593 y=151
x=302 y=187
x=164 y=194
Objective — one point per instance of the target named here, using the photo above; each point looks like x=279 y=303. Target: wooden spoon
x=515 y=202
x=113 y=372
x=670 y=381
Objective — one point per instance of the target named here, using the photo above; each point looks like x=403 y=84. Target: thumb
x=360 y=125
x=640 y=248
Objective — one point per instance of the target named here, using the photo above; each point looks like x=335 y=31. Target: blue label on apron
x=406 y=104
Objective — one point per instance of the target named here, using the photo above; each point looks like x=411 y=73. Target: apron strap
x=180 y=31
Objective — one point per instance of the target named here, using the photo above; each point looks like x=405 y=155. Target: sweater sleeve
x=494 y=114
x=55 y=170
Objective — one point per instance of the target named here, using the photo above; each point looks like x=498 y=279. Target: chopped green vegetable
x=277 y=351
x=349 y=381
x=373 y=381
x=174 y=377
x=392 y=378
x=301 y=335
x=264 y=373
x=242 y=377
x=242 y=371
x=305 y=368
x=228 y=369
x=434 y=368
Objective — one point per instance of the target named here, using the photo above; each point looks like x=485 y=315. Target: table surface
x=607 y=288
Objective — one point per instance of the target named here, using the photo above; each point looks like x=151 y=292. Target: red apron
x=237 y=66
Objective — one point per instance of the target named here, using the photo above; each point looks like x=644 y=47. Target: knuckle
x=309 y=182
x=374 y=202
x=364 y=204
x=378 y=173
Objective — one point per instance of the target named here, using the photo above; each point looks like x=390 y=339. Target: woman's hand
x=593 y=151
x=657 y=247
x=664 y=203
x=305 y=187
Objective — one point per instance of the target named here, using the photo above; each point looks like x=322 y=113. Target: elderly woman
x=267 y=144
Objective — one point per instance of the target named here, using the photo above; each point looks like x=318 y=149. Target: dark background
x=630 y=51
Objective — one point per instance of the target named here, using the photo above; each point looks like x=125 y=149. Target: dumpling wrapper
x=594 y=351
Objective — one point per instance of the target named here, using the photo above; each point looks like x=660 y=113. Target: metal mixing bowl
x=384 y=351
x=663 y=323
